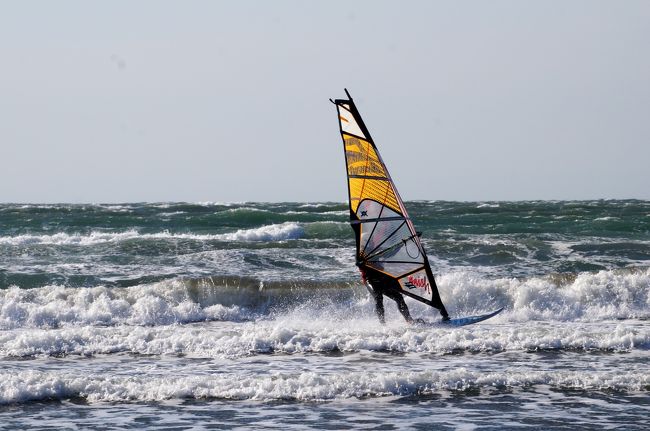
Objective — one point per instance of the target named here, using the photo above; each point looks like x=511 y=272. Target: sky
x=227 y=101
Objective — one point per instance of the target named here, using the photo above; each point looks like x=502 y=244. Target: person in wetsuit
x=377 y=289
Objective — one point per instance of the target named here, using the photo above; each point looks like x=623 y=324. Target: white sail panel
x=348 y=123
x=417 y=284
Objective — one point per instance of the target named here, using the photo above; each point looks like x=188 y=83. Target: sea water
x=252 y=315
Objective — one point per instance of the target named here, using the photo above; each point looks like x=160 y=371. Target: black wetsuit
x=379 y=285
x=378 y=293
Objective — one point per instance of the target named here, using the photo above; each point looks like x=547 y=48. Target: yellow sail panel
x=377 y=190
x=362 y=163
x=362 y=158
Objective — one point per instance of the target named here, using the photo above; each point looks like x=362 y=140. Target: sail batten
x=372 y=220
x=387 y=246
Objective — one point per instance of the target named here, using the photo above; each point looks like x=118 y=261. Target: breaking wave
x=305 y=332
x=615 y=294
x=322 y=316
x=274 y=232
x=305 y=386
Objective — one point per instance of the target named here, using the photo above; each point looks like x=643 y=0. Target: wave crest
x=273 y=232
x=586 y=297
x=304 y=386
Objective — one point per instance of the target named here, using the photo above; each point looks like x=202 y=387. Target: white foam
x=155 y=304
x=315 y=205
x=71 y=239
x=588 y=297
x=218 y=203
x=302 y=386
x=274 y=232
x=151 y=326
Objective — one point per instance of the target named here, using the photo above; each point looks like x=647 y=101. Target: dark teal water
x=127 y=244
x=249 y=315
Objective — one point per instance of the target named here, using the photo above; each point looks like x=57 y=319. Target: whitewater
x=252 y=315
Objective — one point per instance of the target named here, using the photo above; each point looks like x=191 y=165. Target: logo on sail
x=417 y=282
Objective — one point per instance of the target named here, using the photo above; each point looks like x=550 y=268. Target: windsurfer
x=389 y=253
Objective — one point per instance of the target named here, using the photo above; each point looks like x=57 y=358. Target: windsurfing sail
x=389 y=250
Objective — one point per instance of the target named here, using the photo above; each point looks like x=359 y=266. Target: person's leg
x=401 y=305
x=379 y=305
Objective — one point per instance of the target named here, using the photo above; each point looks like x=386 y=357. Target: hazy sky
x=228 y=101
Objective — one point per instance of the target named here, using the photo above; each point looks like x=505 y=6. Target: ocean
x=252 y=315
